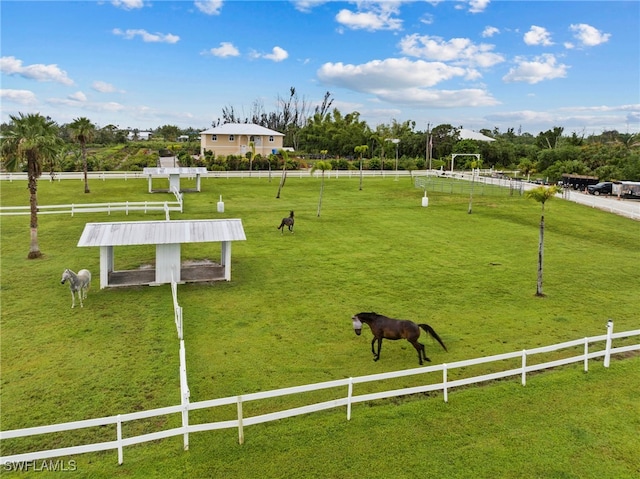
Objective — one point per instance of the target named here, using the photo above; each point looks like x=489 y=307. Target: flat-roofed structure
x=174 y=174
x=167 y=236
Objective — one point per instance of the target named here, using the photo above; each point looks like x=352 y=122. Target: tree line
x=328 y=134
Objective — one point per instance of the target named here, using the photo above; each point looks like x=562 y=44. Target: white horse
x=78 y=283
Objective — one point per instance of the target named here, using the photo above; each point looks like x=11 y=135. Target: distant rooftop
x=241 y=129
x=474 y=135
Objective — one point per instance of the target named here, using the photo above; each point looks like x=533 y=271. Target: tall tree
x=541 y=194
x=323 y=166
x=31 y=139
x=283 y=178
x=83 y=131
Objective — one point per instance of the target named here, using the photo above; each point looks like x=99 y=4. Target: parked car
x=602 y=188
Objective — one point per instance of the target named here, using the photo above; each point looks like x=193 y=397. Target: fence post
x=607 y=352
x=524 y=367
x=72 y=209
x=349 y=394
x=184 y=390
x=586 y=355
x=240 y=425
x=119 y=437
x=444 y=382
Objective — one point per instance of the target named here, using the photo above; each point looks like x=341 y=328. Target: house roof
x=241 y=129
x=161 y=232
x=474 y=135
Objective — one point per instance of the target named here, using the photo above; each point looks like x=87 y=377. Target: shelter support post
x=106 y=265
x=225 y=259
x=168 y=263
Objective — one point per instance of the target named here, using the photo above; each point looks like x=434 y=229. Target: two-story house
x=236 y=139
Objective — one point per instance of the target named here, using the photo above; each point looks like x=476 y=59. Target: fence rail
x=185 y=407
x=126 y=206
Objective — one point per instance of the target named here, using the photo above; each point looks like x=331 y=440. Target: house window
x=232 y=138
x=214 y=137
x=271 y=139
x=252 y=138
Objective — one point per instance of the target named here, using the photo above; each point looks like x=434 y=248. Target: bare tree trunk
x=321 y=191
x=540 y=257
x=282 y=180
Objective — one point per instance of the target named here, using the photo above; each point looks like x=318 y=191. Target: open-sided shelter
x=174 y=174
x=167 y=236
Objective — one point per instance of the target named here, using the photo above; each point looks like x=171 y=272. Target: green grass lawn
x=285 y=320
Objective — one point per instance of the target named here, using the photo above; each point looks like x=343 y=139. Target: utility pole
x=429 y=145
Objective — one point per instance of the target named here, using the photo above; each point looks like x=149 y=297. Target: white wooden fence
x=126 y=206
x=347 y=401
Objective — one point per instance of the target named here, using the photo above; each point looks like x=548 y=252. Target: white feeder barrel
x=220 y=205
x=425 y=201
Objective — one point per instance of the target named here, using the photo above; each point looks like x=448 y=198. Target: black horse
x=383 y=327
x=287 y=222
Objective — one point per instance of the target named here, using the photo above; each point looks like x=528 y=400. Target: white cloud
x=22 y=97
x=406 y=82
x=209 y=7
x=88 y=106
x=589 y=36
x=377 y=16
x=464 y=98
x=306 y=6
x=277 y=54
x=489 y=31
x=78 y=96
x=226 y=49
x=542 y=68
x=37 y=71
x=146 y=36
x=128 y=4
x=478 y=6
x=378 y=75
x=103 y=87
x=457 y=50
x=538 y=36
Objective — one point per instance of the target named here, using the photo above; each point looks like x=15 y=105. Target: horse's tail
x=432 y=332
x=281 y=224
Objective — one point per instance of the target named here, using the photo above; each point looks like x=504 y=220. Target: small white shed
x=174 y=175
x=167 y=236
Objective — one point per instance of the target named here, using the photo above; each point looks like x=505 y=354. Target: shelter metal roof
x=474 y=135
x=161 y=232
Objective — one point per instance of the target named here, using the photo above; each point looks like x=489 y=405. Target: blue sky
x=476 y=64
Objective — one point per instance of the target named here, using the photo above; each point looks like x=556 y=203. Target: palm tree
x=361 y=150
x=83 y=131
x=31 y=139
x=321 y=165
x=541 y=194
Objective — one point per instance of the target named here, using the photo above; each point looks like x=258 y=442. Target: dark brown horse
x=383 y=327
x=287 y=222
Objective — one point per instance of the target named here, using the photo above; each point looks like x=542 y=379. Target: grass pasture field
x=285 y=320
